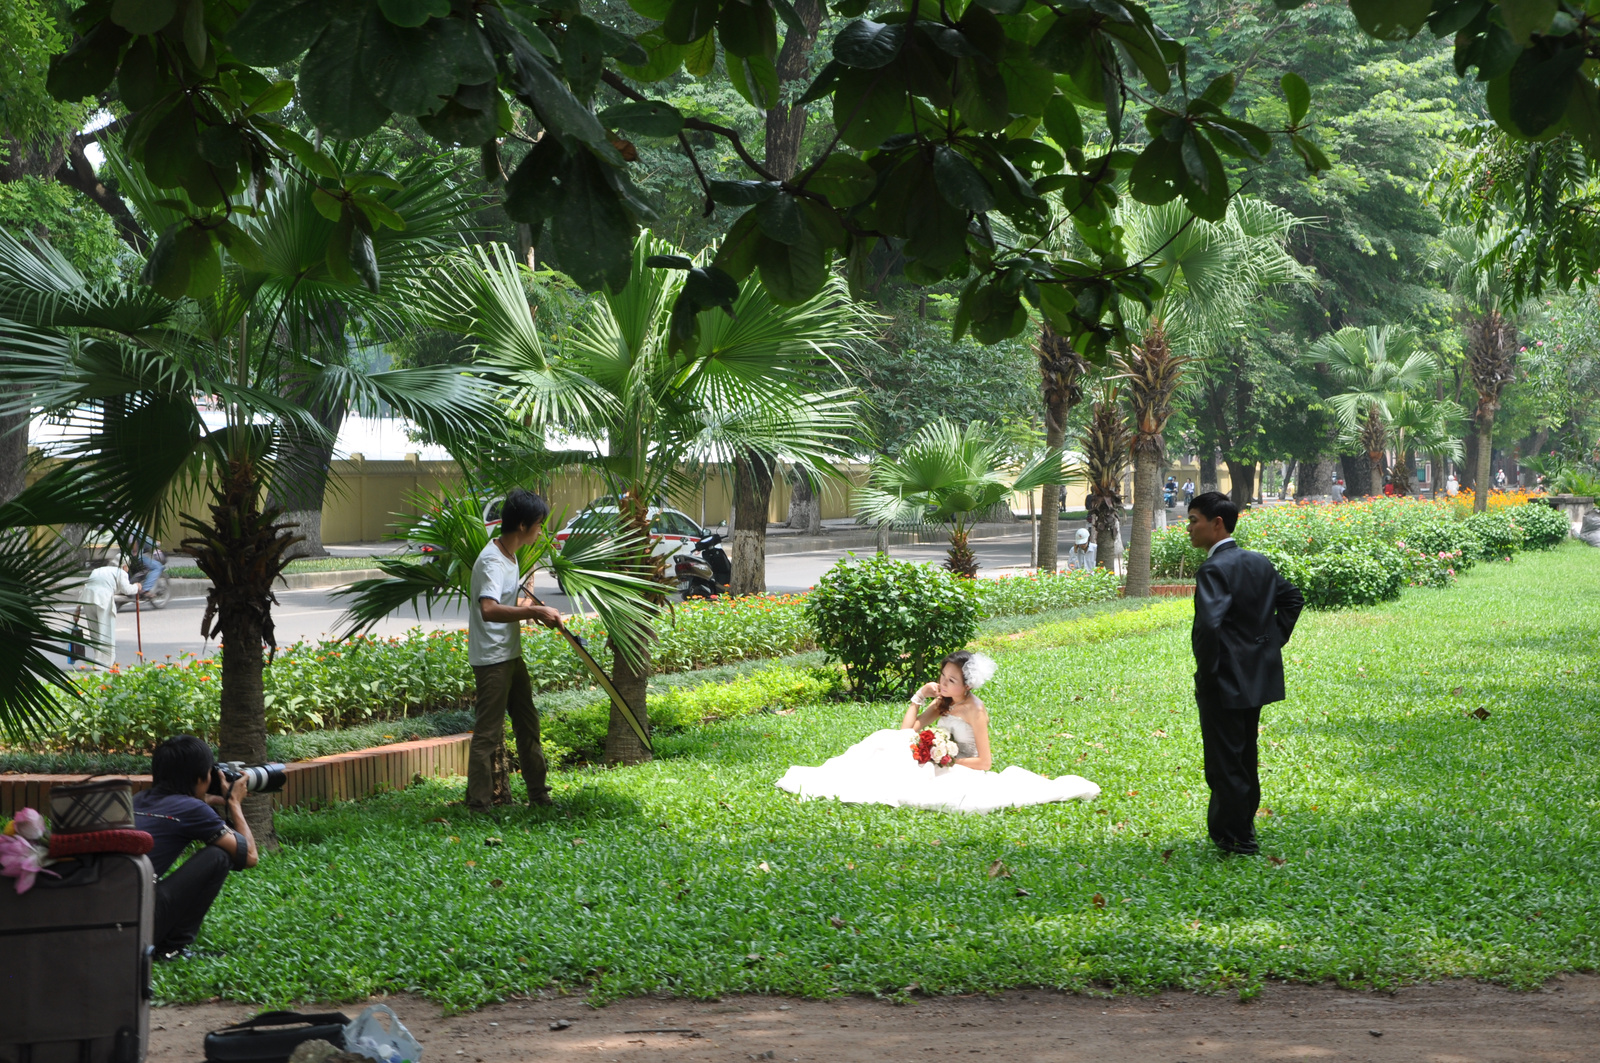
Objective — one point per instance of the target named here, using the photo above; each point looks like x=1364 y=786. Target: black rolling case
x=75 y=963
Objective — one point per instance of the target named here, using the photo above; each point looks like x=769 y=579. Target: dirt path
x=1456 y=1022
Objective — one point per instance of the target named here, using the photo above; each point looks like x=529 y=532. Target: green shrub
x=580 y=732
x=1358 y=574
x=891 y=621
x=1171 y=556
x=1499 y=533
x=1445 y=537
x=705 y=633
x=1040 y=593
x=1544 y=527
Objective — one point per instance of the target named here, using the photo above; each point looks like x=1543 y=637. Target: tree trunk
x=622 y=745
x=1049 y=530
x=242 y=728
x=1104 y=515
x=1405 y=475
x=1208 y=472
x=1467 y=471
x=805 y=505
x=1484 y=477
x=1356 y=477
x=1242 y=478
x=13 y=448
x=1146 y=470
x=1289 y=468
x=1375 y=474
x=786 y=123
x=300 y=494
x=882 y=544
x=752 y=494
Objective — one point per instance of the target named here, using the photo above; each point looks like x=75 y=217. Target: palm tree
x=1491 y=335
x=1105 y=443
x=1421 y=423
x=644 y=416
x=121 y=368
x=1376 y=368
x=1211 y=275
x=1061 y=371
x=950 y=476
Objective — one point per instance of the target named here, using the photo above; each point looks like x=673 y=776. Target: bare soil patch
x=1448 y=1022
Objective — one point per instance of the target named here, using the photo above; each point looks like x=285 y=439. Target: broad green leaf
x=364 y=259
x=690 y=20
x=591 y=231
x=271 y=32
x=1297 y=94
x=288 y=140
x=959 y=182
x=1391 y=20
x=792 y=273
x=143 y=16
x=221 y=145
x=791 y=18
x=655 y=10
x=700 y=57
x=559 y=110
x=379 y=213
x=274 y=99
x=241 y=247
x=470 y=116
x=409 y=70
x=823 y=84
x=1061 y=121
x=748 y=30
x=1524 y=18
x=1583 y=116
x=1220 y=91
x=1208 y=199
x=710 y=287
x=844 y=179
x=88 y=66
x=205 y=265
x=531 y=190
x=779 y=218
x=196 y=41
x=663 y=58
x=583 y=55
x=982 y=98
x=337 y=257
x=334 y=89
x=1541 y=88
x=1158 y=174
x=868 y=45
x=1144 y=50
x=172 y=148
x=140 y=81
x=1452 y=19
x=756 y=79
x=167 y=268
x=742 y=193
x=737 y=255
x=937 y=237
x=646 y=118
x=413 y=13
x=867 y=106
x=326 y=204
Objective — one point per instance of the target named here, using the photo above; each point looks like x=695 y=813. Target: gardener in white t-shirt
x=494 y=649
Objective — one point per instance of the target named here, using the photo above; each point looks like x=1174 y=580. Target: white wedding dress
x=878 y=770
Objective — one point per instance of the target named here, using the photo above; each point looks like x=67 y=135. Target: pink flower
x=30 y=824
x=20 y=859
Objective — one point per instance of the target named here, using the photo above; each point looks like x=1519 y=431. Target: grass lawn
x=1407 y=839
x=306 y=564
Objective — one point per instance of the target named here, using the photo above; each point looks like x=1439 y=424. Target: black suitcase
x=75 y=963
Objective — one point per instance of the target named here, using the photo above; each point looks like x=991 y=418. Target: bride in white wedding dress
x=880 y=770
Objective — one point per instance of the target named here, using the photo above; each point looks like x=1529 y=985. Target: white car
x=672 y=530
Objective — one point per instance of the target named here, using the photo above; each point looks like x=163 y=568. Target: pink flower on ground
x=20 y=859
x=30 y=824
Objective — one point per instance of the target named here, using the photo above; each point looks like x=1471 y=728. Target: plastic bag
x=387 y=1044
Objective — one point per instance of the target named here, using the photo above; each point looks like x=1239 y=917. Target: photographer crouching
x=183 y=807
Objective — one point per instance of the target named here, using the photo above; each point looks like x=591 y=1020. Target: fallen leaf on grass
x=1456 y=693
x=1098 y=900
x=1277 y=861
x=577 y=841
x=763 y=867
x=1263 y=812
x=472 y=863
x=836 y=922
x=1022 y=892
x=999 y=870
x=1166 y=855
x=1481 y=713
x=439 y=819
x=496 y=883
x=1158 y=734
x=492 y=842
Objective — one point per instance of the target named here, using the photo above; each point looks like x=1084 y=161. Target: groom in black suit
x=1244 y=612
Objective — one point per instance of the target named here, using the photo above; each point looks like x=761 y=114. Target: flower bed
x=1357 y=553
x=1039 y=593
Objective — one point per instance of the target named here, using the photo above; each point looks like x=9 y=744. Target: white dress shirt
x=1218 y=545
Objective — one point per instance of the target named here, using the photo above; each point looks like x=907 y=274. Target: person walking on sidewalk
x=494 y=650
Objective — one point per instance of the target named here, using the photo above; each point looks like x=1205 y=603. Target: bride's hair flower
x=978 y=670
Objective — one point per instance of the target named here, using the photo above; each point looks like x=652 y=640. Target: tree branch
x=731 y=135
x=79 y=173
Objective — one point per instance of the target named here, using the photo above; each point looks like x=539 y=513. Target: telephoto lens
x=258 y=778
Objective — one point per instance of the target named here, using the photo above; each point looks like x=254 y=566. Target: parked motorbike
x=704 y=571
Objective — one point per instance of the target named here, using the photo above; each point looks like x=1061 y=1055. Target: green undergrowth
x=306 y=564
x=1407 y=839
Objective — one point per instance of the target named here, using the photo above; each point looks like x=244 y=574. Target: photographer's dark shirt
x=175 y=820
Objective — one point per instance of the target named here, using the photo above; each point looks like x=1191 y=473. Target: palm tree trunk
x=805 y=506
x=1055 y=434
x=1104 y=515
x=1146 y=470
x=13 y=449
x=1375 y=473
x=1484 y=478
x=242 y=729
x=960 y=559
x=752 y=495
x=622 y=744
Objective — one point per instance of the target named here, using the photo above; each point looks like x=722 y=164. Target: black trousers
x=185 y=896
x=1229 y=738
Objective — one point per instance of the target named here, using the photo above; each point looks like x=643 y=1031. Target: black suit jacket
x=1244 y=613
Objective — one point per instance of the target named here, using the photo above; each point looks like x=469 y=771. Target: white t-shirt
x=494 y=575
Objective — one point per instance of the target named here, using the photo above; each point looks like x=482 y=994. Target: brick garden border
x=310 y=783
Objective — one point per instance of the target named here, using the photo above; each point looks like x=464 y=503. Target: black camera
x=258 y=778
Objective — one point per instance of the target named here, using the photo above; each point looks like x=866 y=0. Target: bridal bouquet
x=934 y=746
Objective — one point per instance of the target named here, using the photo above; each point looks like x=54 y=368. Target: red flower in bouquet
x=934 y=745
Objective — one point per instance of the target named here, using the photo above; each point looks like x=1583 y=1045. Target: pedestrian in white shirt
x=97 y=607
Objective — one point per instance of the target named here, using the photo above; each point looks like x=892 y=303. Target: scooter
x=155 y=598
x=1171 y=496
x=704 y=571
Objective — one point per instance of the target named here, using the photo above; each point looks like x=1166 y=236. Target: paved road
x=314 y=614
